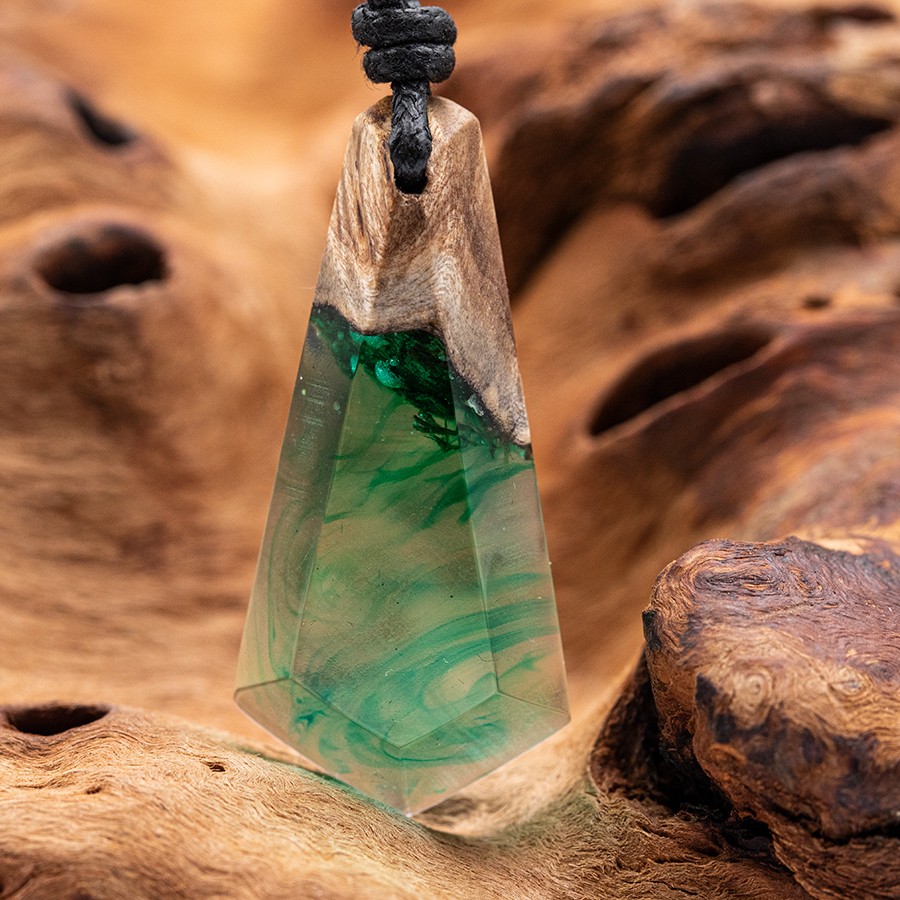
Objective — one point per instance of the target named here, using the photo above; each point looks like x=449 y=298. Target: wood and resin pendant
x=402 y=631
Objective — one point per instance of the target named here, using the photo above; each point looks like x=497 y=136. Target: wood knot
x=773 y=672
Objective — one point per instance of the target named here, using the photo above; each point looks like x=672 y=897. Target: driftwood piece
x=720 y=367
x=164 y=809
x=144 y=365
x=674 y=323
x=663 y=109
x=769 y=696
x=783 y=689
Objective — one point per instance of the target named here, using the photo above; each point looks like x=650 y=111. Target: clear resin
x=402 y=631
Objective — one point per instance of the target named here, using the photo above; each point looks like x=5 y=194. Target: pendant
x=402 y=631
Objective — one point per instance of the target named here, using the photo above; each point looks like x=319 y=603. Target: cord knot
x=411 y=46
x=408 y=42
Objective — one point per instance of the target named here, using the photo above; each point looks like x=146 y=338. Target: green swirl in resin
x=402 y=631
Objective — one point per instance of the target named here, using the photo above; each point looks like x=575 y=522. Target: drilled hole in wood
x=673 y=370
x=97 y=125
x=101 y=259
x=48 y=720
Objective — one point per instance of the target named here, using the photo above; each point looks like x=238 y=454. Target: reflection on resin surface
x=402 y=631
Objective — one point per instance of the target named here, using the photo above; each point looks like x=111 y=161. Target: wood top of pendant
x=397 y=262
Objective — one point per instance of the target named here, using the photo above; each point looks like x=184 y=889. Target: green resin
x=402 y=631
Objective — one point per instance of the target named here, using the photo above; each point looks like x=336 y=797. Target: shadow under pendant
x=402 y=631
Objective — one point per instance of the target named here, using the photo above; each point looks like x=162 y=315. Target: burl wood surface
x=700 y=213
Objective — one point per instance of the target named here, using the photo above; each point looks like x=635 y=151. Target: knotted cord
x=411 y=47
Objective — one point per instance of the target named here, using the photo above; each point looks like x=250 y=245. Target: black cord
x=411 y=48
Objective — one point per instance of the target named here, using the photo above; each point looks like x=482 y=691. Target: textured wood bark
x=664 y=109
x=656 y=355
x=796 y=720
x=700 y=215
x=160 y=808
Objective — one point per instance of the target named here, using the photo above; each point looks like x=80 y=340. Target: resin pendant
x=402 y=630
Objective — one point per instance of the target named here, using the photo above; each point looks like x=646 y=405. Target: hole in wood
x=53 y=719
x=101 y=259
x=733 y=141
x=97 y=125
x=864 y=13
x=214 y=766
x=673 y=370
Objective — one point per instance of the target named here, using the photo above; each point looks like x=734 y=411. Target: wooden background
x=699 y=205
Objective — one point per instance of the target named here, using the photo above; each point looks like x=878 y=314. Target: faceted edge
x=392 y=783
x=416 y=369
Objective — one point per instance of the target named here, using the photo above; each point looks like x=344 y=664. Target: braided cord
x=411 y=47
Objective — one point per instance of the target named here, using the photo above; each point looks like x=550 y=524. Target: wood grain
x=207 y=818
x=705 y=379
x=784 y=691
x=432 y=261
